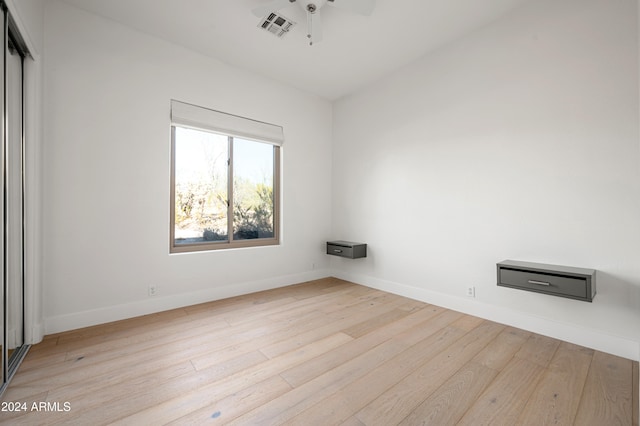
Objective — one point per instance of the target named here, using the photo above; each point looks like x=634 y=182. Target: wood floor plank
x=153 y=332
x=345 y=403
x=299 y=375
x=336 y=321
x=222 y=350
x=503 y=400
x=44 y=348
x=607 y=392
x=126 y=327
x=365 y=302
x=365 y=327
x=308 y=335
x=235 y=404
x=538 y=349
x=499 y=352
x=401 y=399
x=161 y=331
x=282 y=410
x=82 y=367
x=556 y=398
x=352 y=421
x=207 y=342
x=143 y=395
x=320 y=352
x=468 y=322
x=36 y=362
x=635 y=391
x=292 y=310
x=451 y=400
x=104 y=386
x=173 y=408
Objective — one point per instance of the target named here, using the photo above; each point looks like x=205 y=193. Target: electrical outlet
x=153 y=290
x=471 y=292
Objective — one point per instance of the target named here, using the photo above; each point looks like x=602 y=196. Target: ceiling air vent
x=276 y=24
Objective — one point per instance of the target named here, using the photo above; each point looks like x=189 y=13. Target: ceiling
x=355 y=50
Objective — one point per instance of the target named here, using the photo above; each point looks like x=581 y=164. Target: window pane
x=252 y=190
x=201 y=178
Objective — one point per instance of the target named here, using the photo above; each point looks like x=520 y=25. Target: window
x=224 y=180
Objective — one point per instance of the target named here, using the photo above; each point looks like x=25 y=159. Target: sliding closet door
x=14 y=200
x=12 y=232
x=3 y=162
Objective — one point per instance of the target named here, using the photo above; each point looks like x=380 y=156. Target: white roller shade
x=188 y=115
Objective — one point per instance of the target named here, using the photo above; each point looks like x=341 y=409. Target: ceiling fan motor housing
x=311 y=6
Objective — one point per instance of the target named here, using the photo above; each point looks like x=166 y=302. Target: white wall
x=107 y=151
x=519 y=141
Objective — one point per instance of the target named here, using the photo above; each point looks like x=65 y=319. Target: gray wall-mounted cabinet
x=556 y=280
x=347 y=249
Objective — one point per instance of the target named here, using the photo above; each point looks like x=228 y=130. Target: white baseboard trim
x=35 y=334
x=60 y=323
x=616 y=345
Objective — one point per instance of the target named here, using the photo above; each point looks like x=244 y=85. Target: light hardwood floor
x=326 y=352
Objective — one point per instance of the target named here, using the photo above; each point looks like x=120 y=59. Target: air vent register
x=276 y=24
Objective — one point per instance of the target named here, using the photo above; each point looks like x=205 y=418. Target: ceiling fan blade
x=273 y=6
x=314 y=27
x=361 y=7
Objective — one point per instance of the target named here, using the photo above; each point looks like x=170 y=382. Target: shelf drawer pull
x=337 y=251
x=538 y=282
